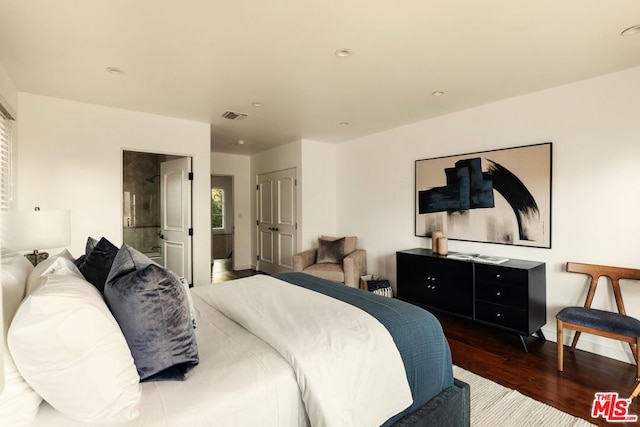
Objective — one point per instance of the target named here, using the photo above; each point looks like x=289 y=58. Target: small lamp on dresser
x=35 y=229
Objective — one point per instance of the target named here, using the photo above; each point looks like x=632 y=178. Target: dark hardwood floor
x=498 y=356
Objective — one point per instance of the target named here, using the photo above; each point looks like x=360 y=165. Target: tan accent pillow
x=350 y=243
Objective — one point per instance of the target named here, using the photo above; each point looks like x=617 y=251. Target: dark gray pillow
x=96 y=264
x=330 y=251
x=88 y=248
x=151 y=307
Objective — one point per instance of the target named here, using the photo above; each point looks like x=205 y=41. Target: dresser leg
x=524 y=344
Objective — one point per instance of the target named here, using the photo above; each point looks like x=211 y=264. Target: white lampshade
x=33 y=230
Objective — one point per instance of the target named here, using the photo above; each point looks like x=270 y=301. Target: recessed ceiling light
x=115 y=71
x=257 y=104
x=344 y=123
x=343 y=53
x=631 y=31
x=238 y=142
x=437 y=93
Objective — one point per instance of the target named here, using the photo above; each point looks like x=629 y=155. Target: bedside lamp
x=35 y=229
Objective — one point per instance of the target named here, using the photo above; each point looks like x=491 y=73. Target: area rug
x=493 y=405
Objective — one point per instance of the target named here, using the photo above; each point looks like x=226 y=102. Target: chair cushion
x=598 y=319
x=326 y=271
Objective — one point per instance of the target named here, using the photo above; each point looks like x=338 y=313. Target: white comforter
x=240 y=381
x=348 y=368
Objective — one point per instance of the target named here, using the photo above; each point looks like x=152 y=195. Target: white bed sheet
x=240 y=381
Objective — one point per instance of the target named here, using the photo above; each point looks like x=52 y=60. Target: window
x=5 y=159
x=217 y=208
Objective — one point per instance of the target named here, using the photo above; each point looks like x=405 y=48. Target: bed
x=289 y=350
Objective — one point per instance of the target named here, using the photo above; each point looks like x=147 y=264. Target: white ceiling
x=194 y=59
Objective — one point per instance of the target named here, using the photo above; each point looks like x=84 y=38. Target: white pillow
x=70 y=349
x=192 y=310
x=60 y=263
x=18 y=401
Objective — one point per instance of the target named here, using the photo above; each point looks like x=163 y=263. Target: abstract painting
x=499 y=196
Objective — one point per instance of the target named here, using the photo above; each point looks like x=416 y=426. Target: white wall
x=8 y=92
x=280 y=158
x=240 y=168
x=71 y=158
x=595 y=129
x=318 y=192
x=315 y=164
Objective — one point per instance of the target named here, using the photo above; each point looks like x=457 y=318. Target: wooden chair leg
x=560 y=346
x=575 y=341
x=634 y=348
x=635 y=391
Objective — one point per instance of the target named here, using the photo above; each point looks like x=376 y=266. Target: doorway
x=222 y=226
x=156 y=208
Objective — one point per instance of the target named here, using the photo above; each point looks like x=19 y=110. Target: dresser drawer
x=503 y=294
x=500 y=315
x=497 y=274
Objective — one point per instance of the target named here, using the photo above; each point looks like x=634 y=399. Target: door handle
x=273 y=228
x=161 y=236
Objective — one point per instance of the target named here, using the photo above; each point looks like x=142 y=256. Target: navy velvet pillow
x=97 y=263
x=88 y=247
x=151 y=307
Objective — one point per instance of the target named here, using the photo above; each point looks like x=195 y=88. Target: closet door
x=276 y=204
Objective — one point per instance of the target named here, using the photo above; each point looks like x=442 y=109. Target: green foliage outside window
x=217 y=208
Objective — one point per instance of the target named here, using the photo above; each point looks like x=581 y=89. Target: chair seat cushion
x=326 y=271
x=603 y=320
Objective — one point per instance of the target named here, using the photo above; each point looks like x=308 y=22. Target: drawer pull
x=497 y=276
x=498 y=315
x=498 y=294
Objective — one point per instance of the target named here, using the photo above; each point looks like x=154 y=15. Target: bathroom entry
x=156 y=208
x=222 y=227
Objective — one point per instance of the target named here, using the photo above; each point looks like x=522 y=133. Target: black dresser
x=510 y=296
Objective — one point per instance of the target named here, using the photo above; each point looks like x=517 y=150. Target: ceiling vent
x=233 y=115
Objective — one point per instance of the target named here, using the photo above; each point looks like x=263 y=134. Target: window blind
x=5 y=160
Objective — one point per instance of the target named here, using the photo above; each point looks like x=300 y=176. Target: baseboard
x=244 y=267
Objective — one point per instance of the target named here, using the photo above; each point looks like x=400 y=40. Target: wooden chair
x=607 y=324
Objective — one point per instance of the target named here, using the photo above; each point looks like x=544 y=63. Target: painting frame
x=500 y=196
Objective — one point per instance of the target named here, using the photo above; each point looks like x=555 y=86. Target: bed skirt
x=450 y=408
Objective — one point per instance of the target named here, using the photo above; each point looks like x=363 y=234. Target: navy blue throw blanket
x=416 y=332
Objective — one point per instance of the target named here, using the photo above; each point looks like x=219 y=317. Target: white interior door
x=276 y=221
x=175 y=216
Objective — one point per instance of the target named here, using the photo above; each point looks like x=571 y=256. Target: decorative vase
x=435 y=234
x=443 y=245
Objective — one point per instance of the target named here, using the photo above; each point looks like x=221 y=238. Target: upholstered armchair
x=335 y=259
